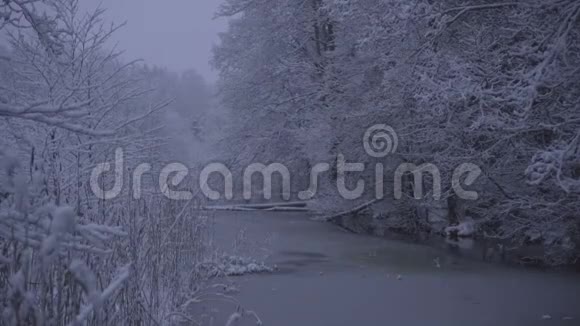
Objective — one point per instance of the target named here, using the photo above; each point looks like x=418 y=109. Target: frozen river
x=328 y=277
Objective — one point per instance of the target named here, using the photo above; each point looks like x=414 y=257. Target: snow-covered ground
x=327 y=277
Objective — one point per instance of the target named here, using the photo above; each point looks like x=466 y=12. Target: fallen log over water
x=271 y=207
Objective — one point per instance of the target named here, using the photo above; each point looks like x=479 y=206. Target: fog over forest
x=289 y=162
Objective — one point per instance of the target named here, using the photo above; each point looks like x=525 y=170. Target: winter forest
x=359 y=162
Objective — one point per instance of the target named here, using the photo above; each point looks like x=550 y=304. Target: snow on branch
x=561 y=164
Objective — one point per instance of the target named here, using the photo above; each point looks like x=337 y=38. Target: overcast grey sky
x=177 y=34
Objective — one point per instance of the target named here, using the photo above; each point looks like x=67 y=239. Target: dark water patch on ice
x=290 y=260
x=306 y=254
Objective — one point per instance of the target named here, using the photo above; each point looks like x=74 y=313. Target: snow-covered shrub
x=44 y=278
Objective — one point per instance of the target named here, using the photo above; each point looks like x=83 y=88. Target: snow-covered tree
x=488 y=83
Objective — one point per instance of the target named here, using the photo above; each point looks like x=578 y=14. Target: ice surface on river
x=328 y=277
